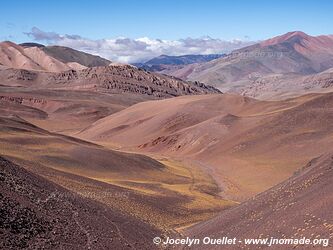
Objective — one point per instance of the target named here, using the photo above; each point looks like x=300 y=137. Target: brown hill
x=13 y=56
x=164 y=194
x=298 y=207
x=246 y=145
x=62 y=111
x=45 y=61
x=109 y=79
x=30 y=58
x=126 y=78
x=73 y=75
x=68 y=55
x=36 y=213
x=71 y=100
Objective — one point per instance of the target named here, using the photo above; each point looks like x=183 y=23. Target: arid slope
x=159 y=192
x=298 y=207
x=30 y=58
x=69 y=55
x=74 y=99
x=38 y=214
x=245 y=144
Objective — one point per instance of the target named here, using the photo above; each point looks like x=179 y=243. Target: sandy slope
x=298 y=207
x=283 y=86
x=12 y=55
x=63 y=111
x=245 y=144
x=46 y=62
x=32 y=58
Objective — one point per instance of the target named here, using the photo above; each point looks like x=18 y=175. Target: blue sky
x=167 y=19
x=249 y=20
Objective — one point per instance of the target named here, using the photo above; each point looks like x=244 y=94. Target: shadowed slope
x=298 y=207
x=12 y=55
x=36 y=213
x=29 y=58
x=33 y=56
x=67 y=55
x=164 y=63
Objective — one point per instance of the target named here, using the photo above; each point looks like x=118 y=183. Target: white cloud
x=128 y=50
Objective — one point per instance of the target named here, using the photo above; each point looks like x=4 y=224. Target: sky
x=129 y=30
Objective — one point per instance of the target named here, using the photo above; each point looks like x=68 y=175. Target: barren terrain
x=280 y=67
x=245 y=144
x=102 y=156
x=298 y=207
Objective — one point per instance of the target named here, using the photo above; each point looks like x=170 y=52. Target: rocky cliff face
x=110 y=79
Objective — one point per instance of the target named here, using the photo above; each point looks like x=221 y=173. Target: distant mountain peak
x=30 y=44
x=35 y=56
x=285 y=37
x=10 y=44
x=297 y=33
x=181 y=59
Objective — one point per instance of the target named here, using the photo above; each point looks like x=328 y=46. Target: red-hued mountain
x=31 y=58
x=59 y=67
x=294 y=54
x=34 y=56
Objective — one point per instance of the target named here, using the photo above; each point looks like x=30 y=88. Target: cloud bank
x=126 y=50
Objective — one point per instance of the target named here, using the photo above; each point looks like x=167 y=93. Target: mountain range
x=32 y=56
x=165 y=63
x=277 y=67
x=69 y=55
x=65 y=68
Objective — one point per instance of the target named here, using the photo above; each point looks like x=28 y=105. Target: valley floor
x=163 y=194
